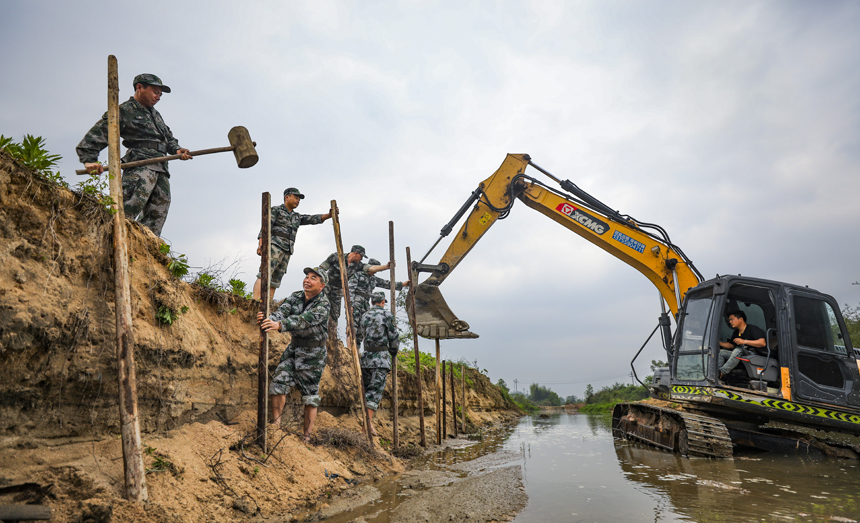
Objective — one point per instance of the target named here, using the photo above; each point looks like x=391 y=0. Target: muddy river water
x=574 y=470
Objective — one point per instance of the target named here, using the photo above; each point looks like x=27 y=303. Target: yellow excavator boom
x=663 y=264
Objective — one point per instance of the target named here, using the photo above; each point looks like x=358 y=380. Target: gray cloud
x=732 y=124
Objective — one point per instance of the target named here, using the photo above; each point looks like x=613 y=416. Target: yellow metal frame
x=624 y=241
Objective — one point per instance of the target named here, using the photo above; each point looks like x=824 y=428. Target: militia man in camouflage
x=285 y=225
x=304 y=314
x=145 y=189
x=334 y=289
x=381 y=343
x=361 y=285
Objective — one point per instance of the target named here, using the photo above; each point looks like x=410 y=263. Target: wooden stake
x=453 y=400
x=265 y=308
x=415 y=341
x=463 y=403
x=393 y=313
x=350 y=327
x=444 y=411
x=438 y=395
x=135 y=475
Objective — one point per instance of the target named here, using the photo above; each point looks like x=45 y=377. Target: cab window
x=694 y=336
x=816 y=326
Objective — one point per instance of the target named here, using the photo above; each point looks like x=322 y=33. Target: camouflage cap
x=150 y=79
x=359 y=249
x=319 y=272
x=377 y=297
x=373 y=261
x=293 y=190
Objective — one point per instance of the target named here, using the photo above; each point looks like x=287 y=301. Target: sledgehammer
x=240 y=144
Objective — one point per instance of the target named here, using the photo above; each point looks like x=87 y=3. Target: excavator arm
x=645 y=247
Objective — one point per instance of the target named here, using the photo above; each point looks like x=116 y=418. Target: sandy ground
x=212 y=472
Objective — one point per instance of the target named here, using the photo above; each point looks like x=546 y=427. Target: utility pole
x=515 y=386
x=631 y=378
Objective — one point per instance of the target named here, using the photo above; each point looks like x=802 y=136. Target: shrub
x=31 y=153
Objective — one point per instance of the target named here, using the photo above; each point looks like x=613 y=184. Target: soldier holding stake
x=305 y=315
x=361 y=285
x=285 y=225
x=334 y=290
x=145 y=189
x=381 y=343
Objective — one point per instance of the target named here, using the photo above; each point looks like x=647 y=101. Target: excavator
x=800 y=392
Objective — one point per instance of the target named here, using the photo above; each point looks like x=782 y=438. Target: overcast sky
x=733 y=124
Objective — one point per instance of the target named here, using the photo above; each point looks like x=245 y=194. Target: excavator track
x=672 y=430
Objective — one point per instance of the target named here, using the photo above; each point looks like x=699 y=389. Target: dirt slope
x=196 y=379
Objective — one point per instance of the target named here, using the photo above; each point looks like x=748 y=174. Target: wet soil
x=460 y=480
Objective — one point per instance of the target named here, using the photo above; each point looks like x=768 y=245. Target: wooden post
x=415 y=341
x=438 y=395
x=135 y=475
x=265 y=306
x=463 y=402
x=453 y=400
x=393 y=313
x=350 y=327
x=444 y=411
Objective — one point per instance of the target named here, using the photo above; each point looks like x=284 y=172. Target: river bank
x=196 y=350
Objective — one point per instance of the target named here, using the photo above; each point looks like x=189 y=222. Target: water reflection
x=578 y=472
x=574 y=470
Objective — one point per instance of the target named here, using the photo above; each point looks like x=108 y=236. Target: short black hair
x=738 y=314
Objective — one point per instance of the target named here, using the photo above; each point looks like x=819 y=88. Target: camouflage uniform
x=304 y=359
x=285 y=225
x=145 y=189
x=334 y=289
x=381 y=342
x=361 y=285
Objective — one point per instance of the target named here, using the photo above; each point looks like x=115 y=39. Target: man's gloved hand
x=393 y=352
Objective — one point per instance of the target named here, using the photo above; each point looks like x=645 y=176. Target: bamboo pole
x=444 y=411
x=393 y=313
x=415 y=342
x=438 y=395
x=453 y=400
x=350 y=327
x=463 y=402
x=135 y=474
x=265 y=308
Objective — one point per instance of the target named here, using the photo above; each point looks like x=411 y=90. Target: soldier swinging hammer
x=146 y=179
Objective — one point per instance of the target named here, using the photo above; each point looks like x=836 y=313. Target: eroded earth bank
x=196 y=384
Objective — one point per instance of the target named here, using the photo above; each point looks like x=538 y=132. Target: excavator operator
x=744 y=335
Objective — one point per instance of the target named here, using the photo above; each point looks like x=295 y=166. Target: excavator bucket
x=434 y=318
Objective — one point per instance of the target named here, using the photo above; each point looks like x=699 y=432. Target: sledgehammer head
x=243 y=147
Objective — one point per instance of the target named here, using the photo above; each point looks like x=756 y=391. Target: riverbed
x=571 y=469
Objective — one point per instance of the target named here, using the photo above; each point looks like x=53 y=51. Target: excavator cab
x=807 y=356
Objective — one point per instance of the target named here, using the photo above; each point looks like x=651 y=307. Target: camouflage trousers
x=334 y=296
x=302 y=368
x=360 y=306
x=146 y=196
x=374 y=385
x=278 y=262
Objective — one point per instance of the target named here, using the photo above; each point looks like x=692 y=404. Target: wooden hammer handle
x=165 y=158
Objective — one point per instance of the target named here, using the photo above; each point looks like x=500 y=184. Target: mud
x=460 y=480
